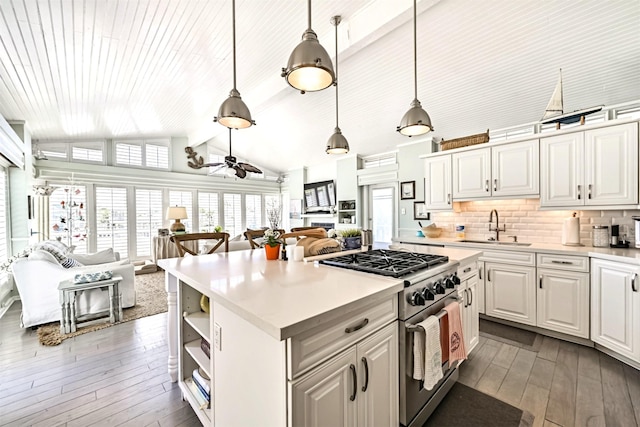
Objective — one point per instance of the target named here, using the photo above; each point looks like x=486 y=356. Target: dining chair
x=181 y=241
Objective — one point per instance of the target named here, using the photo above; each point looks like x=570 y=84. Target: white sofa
x=37 y=278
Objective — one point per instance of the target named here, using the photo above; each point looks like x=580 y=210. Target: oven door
x=416 y=402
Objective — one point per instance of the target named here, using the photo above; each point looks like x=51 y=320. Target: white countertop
x=285 y=298
x=631 y=255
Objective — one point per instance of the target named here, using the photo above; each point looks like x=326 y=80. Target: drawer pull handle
x=449 y=198
x=495 y=185
x=561 y=262
x=540 y=282
x=470 y=297
x=480 y=274
x=355 y=382
x=579 y=192
x=489 y=275
x=366 y=374
x=486 y=186
x=357 y=327
x=466 y=270
x=633 y=282
x=589 y=191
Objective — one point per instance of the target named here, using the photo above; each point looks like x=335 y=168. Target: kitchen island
x=276 y=326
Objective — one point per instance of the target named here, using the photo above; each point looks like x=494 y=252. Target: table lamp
x=177 y=213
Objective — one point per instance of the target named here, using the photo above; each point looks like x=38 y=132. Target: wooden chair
x=181 y=239
x=296 y=229
x=256 y=234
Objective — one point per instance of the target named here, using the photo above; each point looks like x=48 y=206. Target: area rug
x=507 y=332
x=151 y=298
x=464 y=406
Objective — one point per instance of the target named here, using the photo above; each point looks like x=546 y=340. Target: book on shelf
x=197 y=394
x=206 y=347
x=203 y=381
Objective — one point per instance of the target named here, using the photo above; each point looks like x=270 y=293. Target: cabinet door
x=561 y=170
x=378 y=379
x=479 y=294
x=563 y=301
x=611 y=159
x=437 y=187
x=511 y=292
x=470 y=315
x=515 y=169
x=472 y=174
x=322 y=398
x=615 y=307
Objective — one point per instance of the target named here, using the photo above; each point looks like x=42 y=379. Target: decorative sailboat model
x=554 y=113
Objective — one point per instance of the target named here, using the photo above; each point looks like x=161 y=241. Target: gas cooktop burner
x=386 y=262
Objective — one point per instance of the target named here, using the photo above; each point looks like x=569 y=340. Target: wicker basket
x=465 y=141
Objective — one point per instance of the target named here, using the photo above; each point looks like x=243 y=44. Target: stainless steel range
x=430 y=282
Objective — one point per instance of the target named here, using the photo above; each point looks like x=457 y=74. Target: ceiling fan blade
x=217 y=167
x=205 y=165
x=240 y=173
x=249 y=168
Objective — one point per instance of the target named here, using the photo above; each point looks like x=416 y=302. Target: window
x=3 y=215
x=208 y=212
x=128 y=154
x=379 y=160
x=253 y=211
x=88 y=152
x=233 y=214
x=54 y=151
x=111 y=220
x=67 y=216
x=148 y=219
x=157 y=156
x=183 y=198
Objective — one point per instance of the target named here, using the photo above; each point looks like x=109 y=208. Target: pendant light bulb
x=309 y=68
x=416 y=121
x=337 y=143
x=233 y=112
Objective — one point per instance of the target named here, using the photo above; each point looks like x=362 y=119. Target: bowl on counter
x=432 y=231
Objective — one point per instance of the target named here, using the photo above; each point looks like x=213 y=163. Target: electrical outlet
x=217 y=336
x=403 y=211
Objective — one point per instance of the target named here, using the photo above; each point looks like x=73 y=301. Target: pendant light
x=233 y=112
x=309 y=68
x=337 y=143
x=416 y=121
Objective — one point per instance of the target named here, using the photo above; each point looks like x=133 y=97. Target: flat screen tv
x=319 y=197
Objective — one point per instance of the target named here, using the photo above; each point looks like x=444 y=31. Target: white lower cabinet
x=615 y=307
x=470 y=319
x=510 y=292
x=358 y=387
x=563 y=301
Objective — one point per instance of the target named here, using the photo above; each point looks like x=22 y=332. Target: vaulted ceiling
x=78 y=70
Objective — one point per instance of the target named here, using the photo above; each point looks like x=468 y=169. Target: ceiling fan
x=234 y=167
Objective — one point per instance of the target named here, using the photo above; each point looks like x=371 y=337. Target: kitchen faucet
x=497 y=229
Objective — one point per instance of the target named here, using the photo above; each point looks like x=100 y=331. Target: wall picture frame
x=407 y=190
x=420 y=211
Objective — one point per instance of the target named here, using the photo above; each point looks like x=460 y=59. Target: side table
x=69 y=290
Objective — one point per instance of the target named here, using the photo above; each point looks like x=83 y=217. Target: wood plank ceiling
x=79 y=70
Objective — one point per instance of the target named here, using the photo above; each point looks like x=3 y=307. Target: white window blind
x=111 y=220
x=157 y=156
x=183 y=198
x=86 y=154
x=68 y=216
x=253 y=210
x=148 y=219
x=128 y=154
x=54 y=151
x=208 y=211
x=233 y=214
x=3 y=215
x=379 y=160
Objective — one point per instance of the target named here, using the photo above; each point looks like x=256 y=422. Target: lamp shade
x=234 y=113
x=309 y=68
x=416 y=121
x=177 y=212
x=337 y=143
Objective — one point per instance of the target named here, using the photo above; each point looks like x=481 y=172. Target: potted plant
x=271 y=243
x=351 y=238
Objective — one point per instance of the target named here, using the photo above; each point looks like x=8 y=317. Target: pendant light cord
x=309 y=14
x=335 y=23
x=415 y=54
x=233 y=26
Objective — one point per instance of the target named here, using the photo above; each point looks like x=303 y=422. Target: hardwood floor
x=118 y=377
x=113 y=377
x=560 y=383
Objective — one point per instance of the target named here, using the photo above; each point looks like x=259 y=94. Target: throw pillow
x=70 y=263
x=41 y=255
x=51 y=246
x=101 y=257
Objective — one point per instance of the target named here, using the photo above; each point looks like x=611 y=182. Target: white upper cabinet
x=598 y=167
x=505 y=170
x=437 y=189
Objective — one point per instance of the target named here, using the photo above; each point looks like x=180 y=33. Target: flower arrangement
x=271 y=237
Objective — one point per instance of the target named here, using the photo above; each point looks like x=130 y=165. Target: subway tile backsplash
x=524 y=219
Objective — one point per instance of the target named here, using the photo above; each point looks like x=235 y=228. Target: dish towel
x=427 y=356
x=456 y=338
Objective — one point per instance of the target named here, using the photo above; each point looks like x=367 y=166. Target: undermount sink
x=493 y=242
